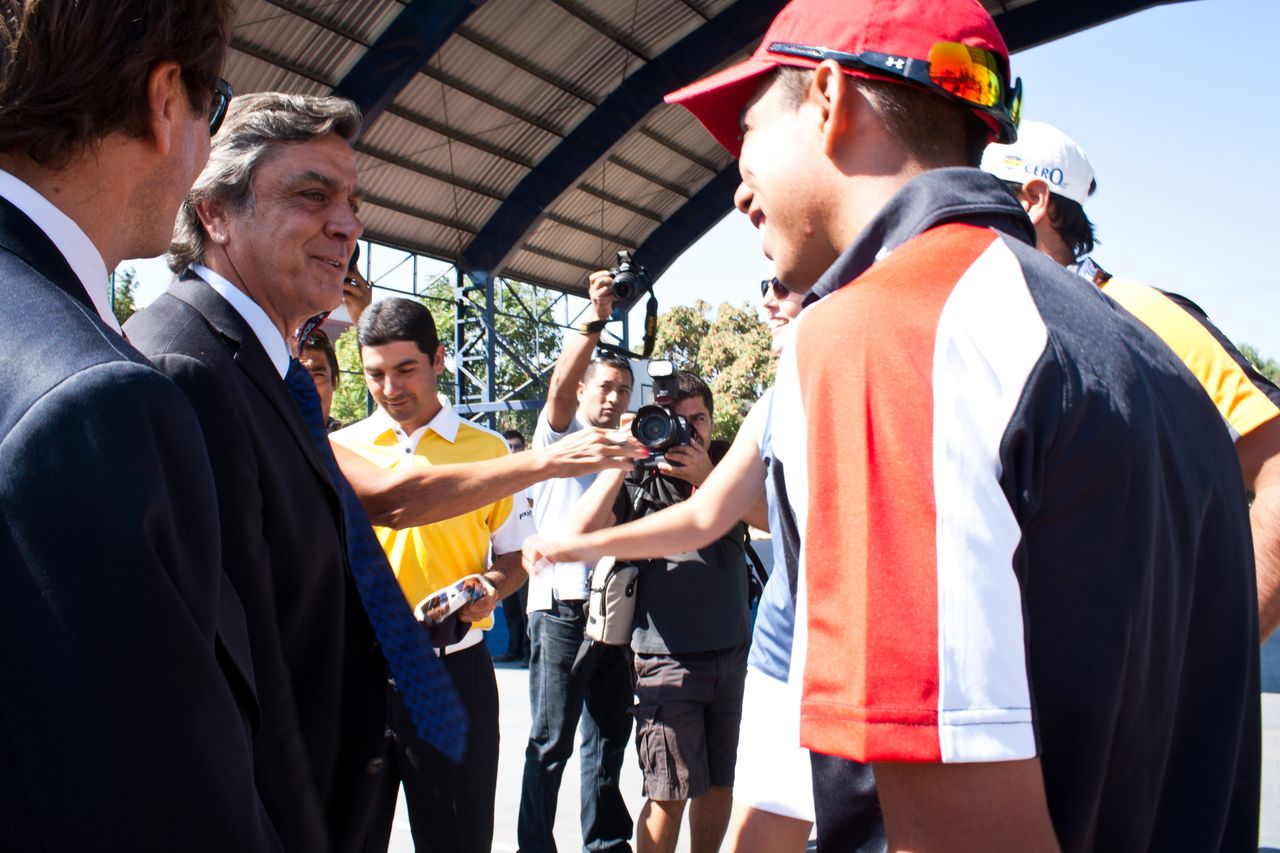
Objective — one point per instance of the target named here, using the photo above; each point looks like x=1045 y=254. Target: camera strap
x=650 y=333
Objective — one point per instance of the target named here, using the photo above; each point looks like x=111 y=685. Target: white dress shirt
x=272 y=341
x=83 y=257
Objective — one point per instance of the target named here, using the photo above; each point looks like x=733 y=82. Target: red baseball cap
x=897 y=28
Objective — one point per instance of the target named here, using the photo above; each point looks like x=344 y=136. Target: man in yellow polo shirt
x=1052 y=177
x=450 y=807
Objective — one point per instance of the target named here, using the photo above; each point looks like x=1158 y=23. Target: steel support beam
x=692 y=57
x=402 y=49
x=1037 y=23
x=694 y=218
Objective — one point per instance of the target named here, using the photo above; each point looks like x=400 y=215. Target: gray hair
x=255 y=124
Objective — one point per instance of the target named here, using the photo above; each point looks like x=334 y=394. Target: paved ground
x=514 y=721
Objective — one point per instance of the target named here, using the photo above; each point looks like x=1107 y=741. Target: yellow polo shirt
x=430 y=557
x=1245 y=399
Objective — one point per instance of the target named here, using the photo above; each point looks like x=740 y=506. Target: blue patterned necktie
x=420 y=678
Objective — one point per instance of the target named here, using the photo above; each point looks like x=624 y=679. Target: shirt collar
x=252 y=313
x=445 y=424
x=83 y=257
x=927 y=200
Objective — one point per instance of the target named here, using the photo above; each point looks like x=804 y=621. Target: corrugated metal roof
x=485 y=125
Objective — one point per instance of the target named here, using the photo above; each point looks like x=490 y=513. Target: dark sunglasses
x=221 y=100
x=969 y=74
x=779 y=289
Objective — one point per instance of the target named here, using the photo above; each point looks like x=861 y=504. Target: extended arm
x=575 y=355
x=1259 y=453
x=420 y=495
x=594 y=509
x=733 y=487
x=991 y=806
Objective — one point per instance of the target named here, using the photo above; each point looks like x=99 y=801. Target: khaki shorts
x=688 y=709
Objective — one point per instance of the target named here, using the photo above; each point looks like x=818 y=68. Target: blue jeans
x=556 y=701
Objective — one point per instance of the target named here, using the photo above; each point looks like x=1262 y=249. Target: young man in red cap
x=1024 y=576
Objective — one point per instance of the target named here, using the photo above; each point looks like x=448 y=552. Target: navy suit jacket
x=127 y=695
x=321 y=677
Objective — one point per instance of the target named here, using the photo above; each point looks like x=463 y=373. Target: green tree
x=728 y=349
x=123 y=287
x=349 y=397
x=1268 y=367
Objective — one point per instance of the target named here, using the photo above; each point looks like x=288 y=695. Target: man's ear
x=582 y=387
x=1036 y=200
x=166 y=98
x=215 y=220
x=829 y=92
x=437 y=361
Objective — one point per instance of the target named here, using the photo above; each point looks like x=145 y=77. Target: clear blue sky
x=1179 y=112
x=1178 y=108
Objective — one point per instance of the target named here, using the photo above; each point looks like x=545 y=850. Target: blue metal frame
x=692 y=57
x=686 y=226
x=1037 y=23
x=402 y=49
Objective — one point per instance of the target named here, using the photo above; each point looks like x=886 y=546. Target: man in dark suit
x=261 y=244
x=127 y=702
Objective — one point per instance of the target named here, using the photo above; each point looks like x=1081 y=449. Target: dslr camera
x=629 y=278
x=657 y=426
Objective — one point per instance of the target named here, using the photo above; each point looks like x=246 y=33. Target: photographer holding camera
x=692 y=622
x=584 y=391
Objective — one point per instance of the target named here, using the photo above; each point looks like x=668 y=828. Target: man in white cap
x=1052 y=178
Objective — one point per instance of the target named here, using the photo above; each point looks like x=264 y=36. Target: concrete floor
x=513 y=690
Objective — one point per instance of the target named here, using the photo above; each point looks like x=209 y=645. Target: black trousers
x=450 y=805
x=846 y=806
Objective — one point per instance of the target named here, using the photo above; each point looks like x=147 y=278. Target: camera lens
x=624 y=284
x=652 y=427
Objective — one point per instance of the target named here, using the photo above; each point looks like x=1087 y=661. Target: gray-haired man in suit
x=261 y=244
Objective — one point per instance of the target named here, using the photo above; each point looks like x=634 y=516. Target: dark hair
x=514 y=434
x=609 y=359
x=690 y=386
x=933 y=130
x=1068 y=219
x=320 y=341
x=73 y=72
x=397 y=319
x=255 y=125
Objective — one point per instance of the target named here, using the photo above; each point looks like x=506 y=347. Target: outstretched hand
x=541 y=554
x=589 y=450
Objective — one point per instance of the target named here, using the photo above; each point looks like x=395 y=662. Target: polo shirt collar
x=445 y=424
x=927 y=200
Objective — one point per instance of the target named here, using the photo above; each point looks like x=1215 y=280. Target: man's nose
x=742 y=197
x=344 y=224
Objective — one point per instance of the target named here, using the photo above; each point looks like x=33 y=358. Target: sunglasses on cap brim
x=971 y=75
